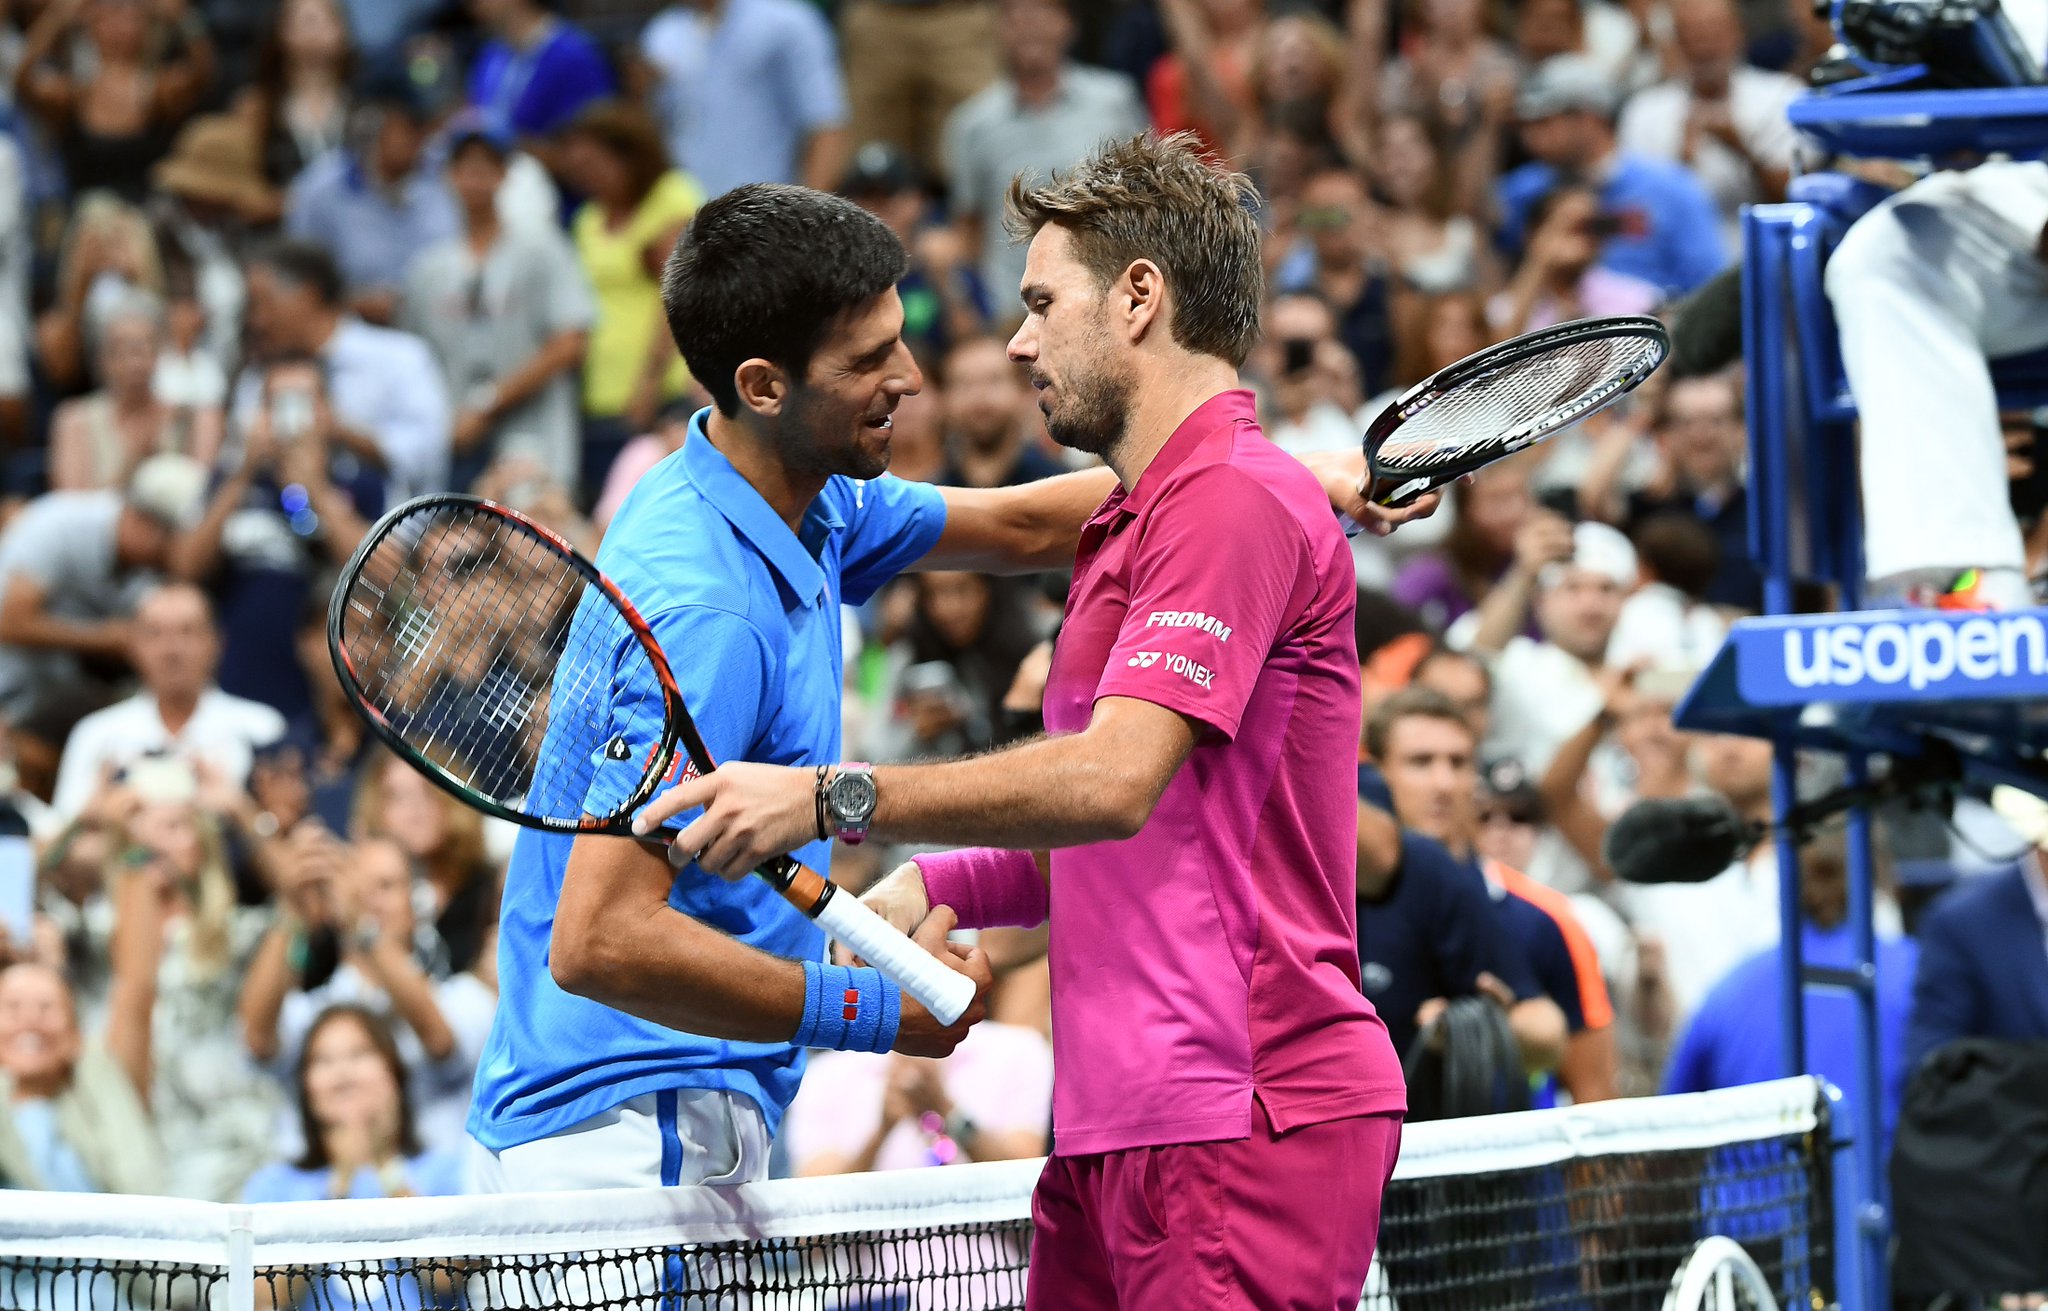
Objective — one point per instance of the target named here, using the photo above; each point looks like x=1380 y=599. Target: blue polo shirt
x=748 y=615
x=1673 y=234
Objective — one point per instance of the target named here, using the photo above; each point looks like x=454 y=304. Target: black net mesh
x=490 y=655
x=1522 y=401
x=1600 y=1232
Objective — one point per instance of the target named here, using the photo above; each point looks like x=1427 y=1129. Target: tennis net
x=1590 y=1207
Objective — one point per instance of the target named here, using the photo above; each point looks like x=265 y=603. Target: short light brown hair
x=1158 y=199
x=1411 y=702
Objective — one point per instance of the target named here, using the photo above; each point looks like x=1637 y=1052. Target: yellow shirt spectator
x=630 y=322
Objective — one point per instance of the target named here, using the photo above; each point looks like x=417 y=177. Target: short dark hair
x=1451 y=654
x=765 y=271
x=1680 y=551
x=303 y=264
x=1410 y=703
x=1158 y=198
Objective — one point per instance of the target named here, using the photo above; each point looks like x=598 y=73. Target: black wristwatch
x=850 y=801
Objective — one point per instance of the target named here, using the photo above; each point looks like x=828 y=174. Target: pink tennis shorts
x=1275 y=1221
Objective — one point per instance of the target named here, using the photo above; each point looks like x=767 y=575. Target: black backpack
x=1969 y=1172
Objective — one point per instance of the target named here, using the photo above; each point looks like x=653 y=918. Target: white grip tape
x=943 y=991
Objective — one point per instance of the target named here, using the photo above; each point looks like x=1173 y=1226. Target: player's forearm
x=618 y=942
x=1504 y=612
x=561 y=353
x=1018 y=530
x=1047 y=792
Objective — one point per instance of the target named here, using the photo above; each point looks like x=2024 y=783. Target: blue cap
x=471 y=125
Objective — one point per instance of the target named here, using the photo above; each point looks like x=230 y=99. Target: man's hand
x=751 y=813
x=920 y=1033
x=1343 y=475
x=1545 y=539
x=471 y=427
x=900 y=897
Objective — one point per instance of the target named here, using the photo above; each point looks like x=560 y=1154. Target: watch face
x=853 y=797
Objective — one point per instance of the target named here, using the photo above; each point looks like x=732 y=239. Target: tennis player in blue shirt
x=652 y=1022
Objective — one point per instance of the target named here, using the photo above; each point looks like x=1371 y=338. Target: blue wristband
x=850 y=1010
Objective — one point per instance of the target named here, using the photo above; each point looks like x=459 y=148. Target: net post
x=241 y=1259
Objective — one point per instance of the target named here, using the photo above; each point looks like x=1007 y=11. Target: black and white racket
x=1504 y=399
x=484 y=650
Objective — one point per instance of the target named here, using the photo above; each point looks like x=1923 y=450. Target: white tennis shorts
x=677 y=1136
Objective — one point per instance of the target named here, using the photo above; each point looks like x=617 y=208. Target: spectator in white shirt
x=1573 y=580
x=390 y=402
x=1720 y=117
x=178 y=712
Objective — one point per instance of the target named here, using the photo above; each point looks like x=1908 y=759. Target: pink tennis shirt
x=1211 y=961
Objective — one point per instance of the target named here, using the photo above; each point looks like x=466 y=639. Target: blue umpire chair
x=1806 y=527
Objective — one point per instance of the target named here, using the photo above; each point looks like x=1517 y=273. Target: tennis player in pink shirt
x=1226 y=1106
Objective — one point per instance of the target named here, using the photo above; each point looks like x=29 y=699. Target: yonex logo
x=1208 y=623
x=1195 y=672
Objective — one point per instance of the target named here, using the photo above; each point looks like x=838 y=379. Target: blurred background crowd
x=269 y=266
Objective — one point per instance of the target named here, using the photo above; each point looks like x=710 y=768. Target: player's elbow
x=579 y=957
x=1122 y=809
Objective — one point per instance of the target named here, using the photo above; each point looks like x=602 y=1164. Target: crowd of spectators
x=266 y=269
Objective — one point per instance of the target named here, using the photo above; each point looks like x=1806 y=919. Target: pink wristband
x=987 y=888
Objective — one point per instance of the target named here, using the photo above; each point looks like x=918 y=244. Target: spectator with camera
x=1720 y=116
x=1559 y=277
x=383 y=401
x=178 y=712
x=347 y=932
x=1658 y=224
x=97 y=440
x=295 y=496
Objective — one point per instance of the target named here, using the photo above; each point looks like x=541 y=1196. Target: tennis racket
x=483 y=649
x=1504 y=399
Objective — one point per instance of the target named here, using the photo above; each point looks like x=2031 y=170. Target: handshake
x=900 y=899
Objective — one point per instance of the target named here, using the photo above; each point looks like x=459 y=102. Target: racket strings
x=488 y=653
x=1518 y=402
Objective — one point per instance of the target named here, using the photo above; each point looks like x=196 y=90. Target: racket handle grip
x=943 y=991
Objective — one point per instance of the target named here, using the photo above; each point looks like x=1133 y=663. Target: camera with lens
x=1962 y=43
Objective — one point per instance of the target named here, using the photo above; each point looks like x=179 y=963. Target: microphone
x=1706 y=327
x=1687 y=840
